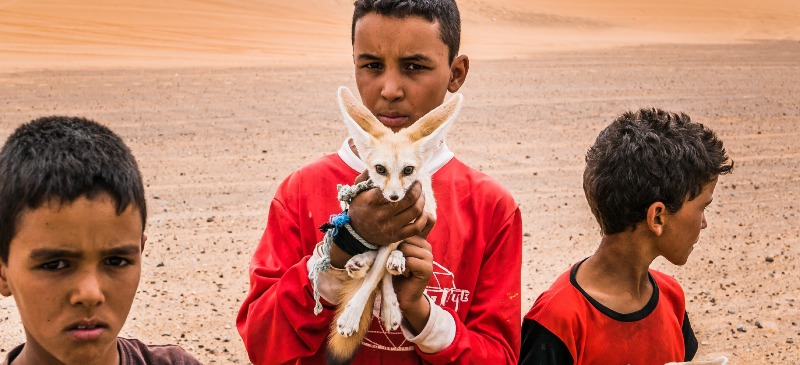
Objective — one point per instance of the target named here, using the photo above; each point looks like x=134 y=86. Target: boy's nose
x=392 y=88
x=88 y=291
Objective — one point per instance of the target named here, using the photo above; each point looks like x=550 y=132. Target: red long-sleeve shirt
x=476 y=242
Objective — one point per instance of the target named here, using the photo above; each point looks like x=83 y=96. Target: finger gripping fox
x=394 y=162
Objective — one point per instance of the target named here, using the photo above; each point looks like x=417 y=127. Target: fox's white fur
x=394 y=162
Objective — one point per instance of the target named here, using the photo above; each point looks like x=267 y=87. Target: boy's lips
x=392 y=119
x=87 y=330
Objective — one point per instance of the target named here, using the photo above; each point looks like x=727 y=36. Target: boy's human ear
x=144 y=240
x=656 y=216
x=4 y=289
x=458 y=73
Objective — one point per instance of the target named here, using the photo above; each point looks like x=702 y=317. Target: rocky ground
x=214 y=143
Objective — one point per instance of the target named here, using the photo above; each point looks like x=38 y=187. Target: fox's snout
x=393 y=188
x=393 y=196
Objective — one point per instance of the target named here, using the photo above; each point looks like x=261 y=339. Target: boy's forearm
x=276 y=321
x=338 y=257
x=418 y=315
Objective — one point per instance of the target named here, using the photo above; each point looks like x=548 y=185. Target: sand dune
x=149 y=33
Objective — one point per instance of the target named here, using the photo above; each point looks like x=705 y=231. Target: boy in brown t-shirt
x=72 y=217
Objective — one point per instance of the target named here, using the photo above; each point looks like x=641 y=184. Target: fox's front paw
x=347 y=324
x=396 y=263
x=358 y=265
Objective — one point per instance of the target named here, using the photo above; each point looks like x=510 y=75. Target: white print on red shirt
x=442 y=291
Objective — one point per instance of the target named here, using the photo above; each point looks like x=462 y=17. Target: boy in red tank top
x=649 y=177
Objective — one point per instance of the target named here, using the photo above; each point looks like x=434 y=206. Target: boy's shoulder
x=327 y=169
x=468 y=180
x=329 y=162
x=558 y=301
x=134 y=352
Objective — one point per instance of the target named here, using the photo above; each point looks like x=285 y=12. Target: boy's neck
x=617 y=274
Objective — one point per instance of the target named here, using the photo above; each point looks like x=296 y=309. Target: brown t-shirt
x=133 y=352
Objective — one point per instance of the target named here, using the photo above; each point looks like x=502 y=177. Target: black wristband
x=348 y=243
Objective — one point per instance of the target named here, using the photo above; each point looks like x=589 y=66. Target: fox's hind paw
x=390 y=307
x=358 y=265
x=396 y=263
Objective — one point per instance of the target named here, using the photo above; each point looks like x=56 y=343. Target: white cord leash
x=346 y=194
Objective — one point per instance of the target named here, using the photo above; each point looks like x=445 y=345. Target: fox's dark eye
x=408 y=170
x=380 y=169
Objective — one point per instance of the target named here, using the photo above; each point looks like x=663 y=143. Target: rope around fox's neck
x=345 y=194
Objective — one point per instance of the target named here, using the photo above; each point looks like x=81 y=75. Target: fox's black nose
x=393 y=198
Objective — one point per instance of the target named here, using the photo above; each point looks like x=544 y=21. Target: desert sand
x=219 y=103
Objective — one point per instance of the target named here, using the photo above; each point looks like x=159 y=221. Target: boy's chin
x=679 y=261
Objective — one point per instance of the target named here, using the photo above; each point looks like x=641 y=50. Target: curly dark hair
x=64 y=158
x=645 y=157
x=444 y=11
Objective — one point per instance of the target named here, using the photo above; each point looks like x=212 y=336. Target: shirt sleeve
x=489 y=334
x=542 y=347
x=689 y=339
x=276 y=320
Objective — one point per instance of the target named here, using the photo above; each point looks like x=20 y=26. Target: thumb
x=428 y=226
x=364 y=176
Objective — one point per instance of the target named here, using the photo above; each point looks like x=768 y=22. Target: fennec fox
x=394 y=161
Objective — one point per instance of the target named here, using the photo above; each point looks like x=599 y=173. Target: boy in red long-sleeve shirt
x=460 y=295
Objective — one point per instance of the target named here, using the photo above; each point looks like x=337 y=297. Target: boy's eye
x=373 y=65
x=415 y=67
x=408 y=170
x=117 y=261
x=380 y=169
x=54 y=265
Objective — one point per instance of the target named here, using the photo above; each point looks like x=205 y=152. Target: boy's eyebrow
x=418 y=57
x=122 y=250
x=46 y=254
x=368 y=57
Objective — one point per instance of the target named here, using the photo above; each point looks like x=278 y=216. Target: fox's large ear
x=430 y=130
x=361 y=124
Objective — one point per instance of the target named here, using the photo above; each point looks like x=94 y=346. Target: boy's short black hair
x=645 y=157
x=64 y=158
x=444 y=11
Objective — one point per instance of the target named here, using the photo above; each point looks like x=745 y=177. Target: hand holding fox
x=411 y=285
x=382 y=222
